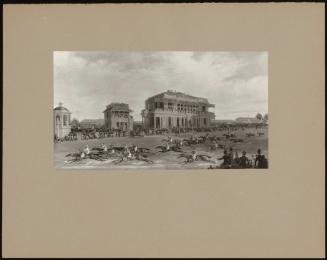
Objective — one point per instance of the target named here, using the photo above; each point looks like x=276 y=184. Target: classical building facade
x=62 y=124
x=173 y=109
x=117 y=117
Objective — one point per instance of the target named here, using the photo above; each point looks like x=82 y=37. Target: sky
x=86 y=82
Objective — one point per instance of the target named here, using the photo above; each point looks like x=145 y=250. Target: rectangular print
x=160 y=110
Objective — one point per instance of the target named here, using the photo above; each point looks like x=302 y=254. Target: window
x=158 y=122
x=204 y=121
x=65 y=120
x=57 y=120
x=117 y=124
x=203 y=109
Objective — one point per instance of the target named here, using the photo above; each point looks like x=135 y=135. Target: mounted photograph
x=160 y=110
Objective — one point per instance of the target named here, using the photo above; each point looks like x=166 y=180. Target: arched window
x=65 y=120
x=57 y=120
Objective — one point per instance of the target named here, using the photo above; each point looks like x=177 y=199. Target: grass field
x=167 y=160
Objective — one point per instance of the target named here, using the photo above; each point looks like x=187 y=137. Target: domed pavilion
x=62 y=122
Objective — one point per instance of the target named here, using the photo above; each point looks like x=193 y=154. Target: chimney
x=60 y=104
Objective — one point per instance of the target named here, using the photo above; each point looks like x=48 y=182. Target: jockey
x=194 y=155
x=82 y=155
x=86 y=149
x=104 y=147
x=129 y=155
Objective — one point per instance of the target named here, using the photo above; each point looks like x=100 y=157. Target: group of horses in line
x=120 y=154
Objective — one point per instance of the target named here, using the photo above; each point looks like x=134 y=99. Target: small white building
x=62 y=124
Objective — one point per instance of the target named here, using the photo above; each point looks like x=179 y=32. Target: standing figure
x=259 y=160
x=236 y=161
x=231 y=155
x=244 y=161
x=226 y=160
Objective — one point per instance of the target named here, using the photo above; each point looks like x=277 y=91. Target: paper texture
x=275 y=213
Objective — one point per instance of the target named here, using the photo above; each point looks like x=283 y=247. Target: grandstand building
x=173 y=109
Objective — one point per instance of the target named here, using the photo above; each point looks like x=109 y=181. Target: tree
x=259 y=116
x=266 y=117
x=75 y=123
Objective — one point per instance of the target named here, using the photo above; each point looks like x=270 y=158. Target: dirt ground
x=167 y=160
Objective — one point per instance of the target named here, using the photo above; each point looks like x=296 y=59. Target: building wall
x=118 y=120
x=62 y=125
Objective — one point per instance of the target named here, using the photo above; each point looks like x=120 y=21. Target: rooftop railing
x=180 y=111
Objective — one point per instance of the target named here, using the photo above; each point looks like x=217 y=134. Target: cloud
x=237 y=83
x=249 y=65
